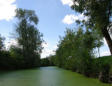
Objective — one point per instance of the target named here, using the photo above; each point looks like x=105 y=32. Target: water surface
x=46 y=76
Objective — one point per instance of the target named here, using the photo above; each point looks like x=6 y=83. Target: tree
x=99 y=13
x=1 y=42
x=75 y=50
x=29 y=37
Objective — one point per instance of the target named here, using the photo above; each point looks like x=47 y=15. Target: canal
x=46 y=76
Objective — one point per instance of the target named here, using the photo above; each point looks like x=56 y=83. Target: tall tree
x=29 y=37
x=99 y=14
x=75 y=48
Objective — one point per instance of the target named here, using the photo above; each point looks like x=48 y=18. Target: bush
x=104 y=75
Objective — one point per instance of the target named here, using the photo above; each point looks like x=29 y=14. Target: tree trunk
x=108 y=39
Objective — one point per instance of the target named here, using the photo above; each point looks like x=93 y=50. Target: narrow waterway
x=46 y=76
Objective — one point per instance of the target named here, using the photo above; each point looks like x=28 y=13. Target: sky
x=54 y=17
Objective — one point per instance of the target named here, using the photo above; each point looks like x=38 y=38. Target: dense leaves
x=76 y=51
x=99 y=13
x=29 y=37
x=27 y=53
x=75 y=48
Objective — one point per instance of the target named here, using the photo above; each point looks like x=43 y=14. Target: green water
x=46 y=76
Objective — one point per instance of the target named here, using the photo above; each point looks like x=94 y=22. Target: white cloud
x=55 y=47
x=7 y=9
x=45 y=45
x=10 y=42
x=71 y=18
x=67 y=2
x=103 y=50
x=68 y=19
x=48 y=50
x=105 y=53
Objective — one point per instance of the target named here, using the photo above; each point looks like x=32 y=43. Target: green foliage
x=1 y=42
x=5 y=60
x=105 y=73
x=48 y=61
x=29 y=37
x=75 y=50
x=99 y=13
x=16 y=55
x=27 y=53
x=28 y=15
x=45 y=62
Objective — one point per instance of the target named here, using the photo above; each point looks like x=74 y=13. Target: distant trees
x=99 y=13
x=48 y=61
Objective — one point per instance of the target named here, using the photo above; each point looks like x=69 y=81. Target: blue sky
x=54 y=16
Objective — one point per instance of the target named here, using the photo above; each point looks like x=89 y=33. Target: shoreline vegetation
x=101 y=68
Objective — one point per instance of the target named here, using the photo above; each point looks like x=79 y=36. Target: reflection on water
x=46 y=76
